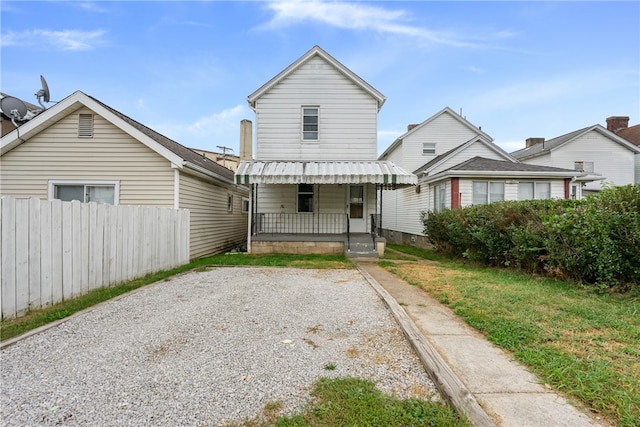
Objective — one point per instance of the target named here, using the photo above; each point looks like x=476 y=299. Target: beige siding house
x=457 y=165
x=81 y=149
x=315 y=179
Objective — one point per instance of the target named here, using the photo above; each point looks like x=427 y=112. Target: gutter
x=207 y=172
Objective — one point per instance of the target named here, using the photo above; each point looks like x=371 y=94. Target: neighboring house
x=315 y=179
x=599 y=152
x=458 y=165
x=227 y=160
x=81 y=149
x=620 y=126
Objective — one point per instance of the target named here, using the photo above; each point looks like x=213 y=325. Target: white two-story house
x=315 y=181
x=602 y=154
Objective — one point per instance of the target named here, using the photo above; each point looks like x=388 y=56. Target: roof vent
x=85 y=125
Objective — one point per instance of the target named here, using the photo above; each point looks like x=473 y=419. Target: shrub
x=593 y=241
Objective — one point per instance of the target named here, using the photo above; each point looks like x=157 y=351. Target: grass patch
x=583 y=344
x=10 y=328
x=355 y=402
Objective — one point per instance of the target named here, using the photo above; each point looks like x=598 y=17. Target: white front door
x=357 y=209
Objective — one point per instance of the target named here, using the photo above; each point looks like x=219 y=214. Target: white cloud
x=357 y=16
x=76 y=40
x=218 y=123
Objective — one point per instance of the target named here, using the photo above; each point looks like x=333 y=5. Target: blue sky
x=517 y=69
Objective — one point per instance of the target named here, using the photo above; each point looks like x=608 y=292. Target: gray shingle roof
x=483 y=164
x=547 y=146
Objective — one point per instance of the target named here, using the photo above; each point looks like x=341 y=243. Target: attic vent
x=85 y=125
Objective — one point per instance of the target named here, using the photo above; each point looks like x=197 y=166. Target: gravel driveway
x=204 y=348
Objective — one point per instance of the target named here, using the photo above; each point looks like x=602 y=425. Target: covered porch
x=317 y=207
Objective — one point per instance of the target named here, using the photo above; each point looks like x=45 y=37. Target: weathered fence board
x=52 y=251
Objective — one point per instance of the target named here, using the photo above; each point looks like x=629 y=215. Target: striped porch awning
x=385 y=173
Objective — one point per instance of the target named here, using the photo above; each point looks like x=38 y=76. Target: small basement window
x=85 y=125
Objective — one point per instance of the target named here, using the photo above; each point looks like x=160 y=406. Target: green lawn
x=581 y=343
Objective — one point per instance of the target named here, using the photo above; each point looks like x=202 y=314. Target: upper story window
x=310 y=123
x=487 y=192
x=583 y=166
x=305 y=198
x=428 y=148
x=534 y=190
x=105 y=192
x=85 y=125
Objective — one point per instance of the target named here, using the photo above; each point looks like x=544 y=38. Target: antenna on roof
x=43 y=93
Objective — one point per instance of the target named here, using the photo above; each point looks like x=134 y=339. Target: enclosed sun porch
x=318 y=207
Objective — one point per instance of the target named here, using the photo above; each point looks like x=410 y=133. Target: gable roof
x=482 y=167
x=316 y=51
x=445 y=110
x=445 y=156
x=179 y=155
x=552 y=144
x=631 y=134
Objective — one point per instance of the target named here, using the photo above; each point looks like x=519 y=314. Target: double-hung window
x=106 y=192
x=305 y=198
x=487 y=192
x=534 y=190
x=310 y=123
x=583 y=166
x=440 y=197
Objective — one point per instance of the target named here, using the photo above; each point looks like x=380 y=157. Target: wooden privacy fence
x=53 y=251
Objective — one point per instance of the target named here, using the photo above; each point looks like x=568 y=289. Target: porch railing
x=294 y=223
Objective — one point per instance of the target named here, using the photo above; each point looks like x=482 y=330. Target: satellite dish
x=13 y=107
x=43 y=93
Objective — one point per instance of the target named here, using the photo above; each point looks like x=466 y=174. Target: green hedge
x=593 y=241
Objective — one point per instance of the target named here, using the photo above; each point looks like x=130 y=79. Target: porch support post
x=250 y=219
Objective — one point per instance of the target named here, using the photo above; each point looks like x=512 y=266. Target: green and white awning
x=328 y=172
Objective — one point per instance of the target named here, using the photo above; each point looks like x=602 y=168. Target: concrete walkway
x=479 y=379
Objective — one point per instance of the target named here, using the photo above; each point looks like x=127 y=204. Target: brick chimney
x=411 y=126
x=617 y=123
x=530 y=142
x=246 y=139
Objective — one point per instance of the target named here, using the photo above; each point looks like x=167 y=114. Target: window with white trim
x=229 y=202
x=534 y=190
x=245 y=205
x=487 y=192
x=440 y=197
x=583 y=166
x=428 y=148
x=310 y=123
x=105 y=192
x=305 y=198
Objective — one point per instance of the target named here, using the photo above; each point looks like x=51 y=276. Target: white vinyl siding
x=348 y=129
x=213 y=227
x=610 y=159
x=445 y=132
x=57 y=153
x=401 y=208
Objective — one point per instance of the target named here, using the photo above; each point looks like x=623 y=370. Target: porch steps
x=361 y=247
